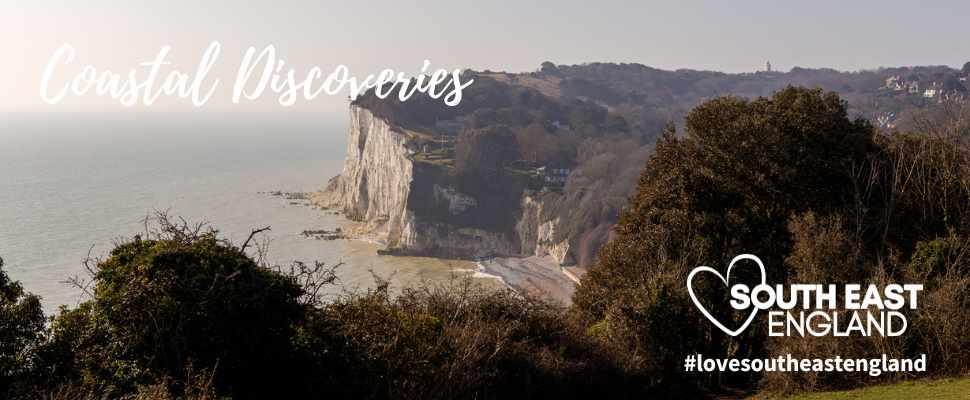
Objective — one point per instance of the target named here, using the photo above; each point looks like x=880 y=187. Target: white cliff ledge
x=377 y=187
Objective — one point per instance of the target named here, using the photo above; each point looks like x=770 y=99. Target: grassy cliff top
x=943 y=389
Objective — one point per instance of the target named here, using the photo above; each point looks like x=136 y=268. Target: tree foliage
x=790 y=178
x=184 y=300
x=21 y=328
x=180 y=313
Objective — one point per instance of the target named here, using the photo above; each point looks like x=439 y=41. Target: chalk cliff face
x=413 y=208
x=376 y=180
x=538 y=237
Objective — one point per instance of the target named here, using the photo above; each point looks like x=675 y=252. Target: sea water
x=73 y=184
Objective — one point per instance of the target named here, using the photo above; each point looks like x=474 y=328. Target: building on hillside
x=554 y=174
x=913 y=87
x=896 y=84
x=935 y=90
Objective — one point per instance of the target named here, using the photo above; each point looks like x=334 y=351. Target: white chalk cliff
x=375 y=188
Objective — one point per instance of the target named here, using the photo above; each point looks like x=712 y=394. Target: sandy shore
x=536 y=276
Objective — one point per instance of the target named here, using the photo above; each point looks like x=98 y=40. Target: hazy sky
x=732 y=36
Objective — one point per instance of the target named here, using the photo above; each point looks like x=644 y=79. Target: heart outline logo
x=725 y=278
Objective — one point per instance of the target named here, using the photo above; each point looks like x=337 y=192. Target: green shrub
x=21 y=328
x=186 y=315
x=183 y=301
x=821 y=198
x=462 y=342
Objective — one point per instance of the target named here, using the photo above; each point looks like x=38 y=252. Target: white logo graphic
x=724 y=278
x=814 y=309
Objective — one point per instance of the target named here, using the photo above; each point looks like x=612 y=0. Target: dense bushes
x=821 y=199
x=180 y=302
x=937 y=328
x=21 y=325
x=461 y=342
x=484 y=152
x=183 y=314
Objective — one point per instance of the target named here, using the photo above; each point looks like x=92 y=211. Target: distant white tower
x=768 y=66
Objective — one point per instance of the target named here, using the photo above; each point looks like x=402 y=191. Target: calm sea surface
x=70 y=183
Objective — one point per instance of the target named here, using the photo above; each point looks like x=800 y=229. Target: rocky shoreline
x=536 y=276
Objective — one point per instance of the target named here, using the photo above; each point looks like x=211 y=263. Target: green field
x=954 y=388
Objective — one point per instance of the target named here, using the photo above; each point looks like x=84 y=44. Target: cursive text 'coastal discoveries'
x=259 y=73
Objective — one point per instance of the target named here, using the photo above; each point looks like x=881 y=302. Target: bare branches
x=159 y=226
x=90 y=264
x=312 y=278
x=251 y=234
